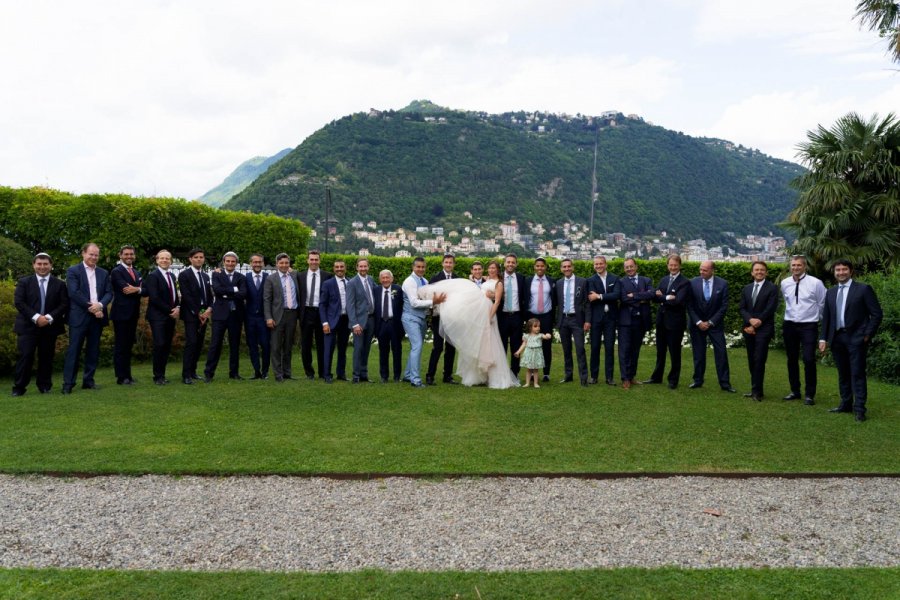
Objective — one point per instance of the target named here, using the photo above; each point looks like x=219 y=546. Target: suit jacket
x=862 y=312
x=714 y=310
x=764 y=309
x=124 y=306
x=671 y=314
x=192 y=303
x=358 y=307
x=610 y=298
x=323 y=276
x=273 y=296
x=396 y=305
x=27 y=299
x=580 y=301
x=635 y=311
x=330 y=301
x=524 y=285
x=227 y=293
x=253 y=303
x=159 y=299
x=80 y=294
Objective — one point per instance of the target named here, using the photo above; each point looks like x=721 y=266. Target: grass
x=303 y=427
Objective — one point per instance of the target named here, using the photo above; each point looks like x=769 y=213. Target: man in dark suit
x=124 y=313
x=311 y=282
x=388 y=325
x=707 y=303
x=541 y=307
x=850 y=319
x=90 y=292
x=634 y=319
x=280 y=304
x=759 y=301
x=42 y=302
x=574 y=319
x=513 y=310
x=229 y=290
x=603 y=293
x=671 y=321
x=333 y=316
x=162 y=313
x=258 y=342
x=361 y=316
x=196 y=309
x=440 y=345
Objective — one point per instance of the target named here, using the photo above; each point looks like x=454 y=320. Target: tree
x=850 y=198
x=882 y=16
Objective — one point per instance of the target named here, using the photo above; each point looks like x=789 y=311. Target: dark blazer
x=330 y=302
x=304 y=293
x=714 y=310
x=27 y=299
x=766 y=304
x=253 y=303
x=80 y=295
x=124 y=306
x=610 y=297
x=225 y=295
x=671 y=313
x=579 y=302
x=396 y=305
x=159 y=301
x=635 y=310
x=440 y=277
x=524 y=285
x=273 y=296
x=191 y=300
x=862 y=313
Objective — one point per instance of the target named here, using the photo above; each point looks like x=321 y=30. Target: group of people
x=494 y=311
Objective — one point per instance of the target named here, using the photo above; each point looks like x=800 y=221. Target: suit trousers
x=603 y=334
x=546 y=321
x=630 y=339
x=162 y=332
x=716 y=337
x=668 y=340
x=232 y=327
x=258 y=344
x=571 y=330
x=390 y=336
x=801 y=337
x=283 y=343
x=510 y=326
x=42 y=343
x=849 y=351
x=438 y=346
x=415 y=330
x=311 y=333
x=362 y=344
x=194 y=333
x=125 y=335
x=87 y=338
x=338 y=338
x=757 y=355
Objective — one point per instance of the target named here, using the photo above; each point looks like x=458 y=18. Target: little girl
x=531 y=353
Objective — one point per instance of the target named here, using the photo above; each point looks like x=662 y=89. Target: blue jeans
x=415 y=331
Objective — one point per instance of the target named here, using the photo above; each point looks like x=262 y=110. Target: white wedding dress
x=466 y=324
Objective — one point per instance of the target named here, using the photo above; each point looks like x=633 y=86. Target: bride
x=468 y=321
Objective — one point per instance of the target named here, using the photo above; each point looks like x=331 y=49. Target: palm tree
x=849 y=202
x=882 y=16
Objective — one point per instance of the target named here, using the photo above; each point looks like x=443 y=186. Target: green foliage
x=240 y=178
x=850 y=198
x=15 y=261
x=884 y=353
x=415 y=168
x=8 y=350
x=59 y=223
x=882 y=16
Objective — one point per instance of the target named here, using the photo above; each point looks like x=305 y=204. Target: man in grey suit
x=361 y=317
x=280 y=302
x=574 y=319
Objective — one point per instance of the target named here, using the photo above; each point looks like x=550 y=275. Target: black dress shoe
x=196 y=377
x=384 y=380
x=355 y=380
x=450 y=381
x=397 y=380
x=257 y=375
x=236 y=377
x=161 y=381
x=694 y=385
x=341 y=378
x=90 y=385
x=417 y=384
x=566 y=380
x=792 y=396
x=729 y=389
x=649 y=381
x=406 y=380
x=584 y=383
x=279 y=379
x=207 y=379
x=838 y=409
x=860 y=417
x=188 y=381
x=17 y=393
x=429 y=381
x=592 y=381
x=311 y=377
x=44 y=390
x=610 y=382
x=328 y=380
x=67 y=389
x=808 y=401
x=672 y=386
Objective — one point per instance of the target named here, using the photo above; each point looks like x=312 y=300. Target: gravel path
x=280 y=523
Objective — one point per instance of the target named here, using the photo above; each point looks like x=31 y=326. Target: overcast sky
x=166 y=98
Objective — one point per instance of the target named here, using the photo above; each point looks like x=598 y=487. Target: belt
x=571 y=314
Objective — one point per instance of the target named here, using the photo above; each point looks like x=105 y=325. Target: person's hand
x=357 y=330
x=438 y=298
x=594 y=296
x=326 y=328
x=755 y=323
x=175 y=312
x=270 y=323
x=659 y=293
x=750 y=330
x=823 y=346
x=42 y=321
x=131 y=289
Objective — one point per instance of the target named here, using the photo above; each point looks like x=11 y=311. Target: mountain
x=427 y=165
x=240 y=178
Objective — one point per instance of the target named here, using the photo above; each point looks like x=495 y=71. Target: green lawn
x=304 y=427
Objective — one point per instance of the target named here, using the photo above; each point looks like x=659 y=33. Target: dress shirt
x=533 y=302
x=569 y=295
x=511 y=292
x=803 y=303
x=385 y=291
x=841 y=299
x=199 y=278
x=92 y=282
x=603 y=281
x=45 y=282
x=309 y=286
x=411 y=287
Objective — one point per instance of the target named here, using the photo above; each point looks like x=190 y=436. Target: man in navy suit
x=42 y=302
x=707 y=304
x=541 y=307
x=759 y=301
x=574 y=319
x=333 y=316
x=361 y=316
x=90 y=291
x=439 y=344
x=229 y=290
x=196 y=309
x=258 y=342
x=634 y=319
x=513 y=310
x=850 y=319
x=671 y=321
x=162 y=312
x=311 y=282
x=603 y=293
x=124 y=313
x=388 y=325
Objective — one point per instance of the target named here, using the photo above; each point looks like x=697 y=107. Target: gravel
x=300 y=524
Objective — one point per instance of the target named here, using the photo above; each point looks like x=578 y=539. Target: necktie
x=540 y=302
x=568 y=298
x=446 y=275
x=343 y=296
x=385 y=306
x=43 y=295
x=368 y=288
x=508 y=303
x=258 y=277
x=706 y=291
x=286 y=290
x=755 y=294
x=131 y=272
x=797 y=291
x=202 y=287
x=171 y=288
x=840 y=306
x=231 y=305
x=312 y=291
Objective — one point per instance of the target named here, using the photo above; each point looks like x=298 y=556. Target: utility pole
x=595 y=195
x=327 y=214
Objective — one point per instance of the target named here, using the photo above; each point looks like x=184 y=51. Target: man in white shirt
x=415 y=310
x=804 y=298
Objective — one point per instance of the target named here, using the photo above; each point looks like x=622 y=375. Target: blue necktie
x=706 y=291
